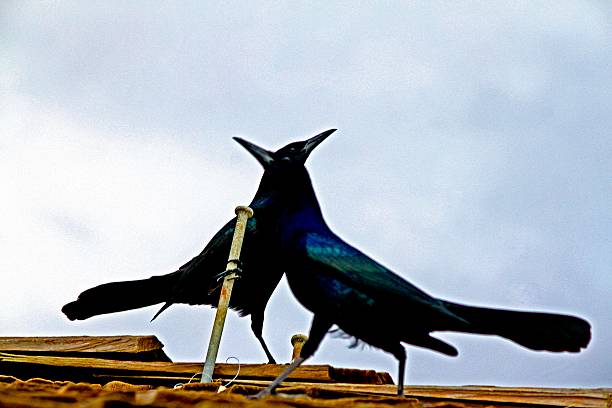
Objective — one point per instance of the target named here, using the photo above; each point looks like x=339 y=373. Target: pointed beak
x=314 y=141
x=263 y=156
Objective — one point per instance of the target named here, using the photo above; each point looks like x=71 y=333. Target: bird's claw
x=220 y=276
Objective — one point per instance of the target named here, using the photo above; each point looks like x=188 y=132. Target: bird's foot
x=236 y=271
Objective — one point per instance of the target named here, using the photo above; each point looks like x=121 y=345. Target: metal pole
x=297 y=341
x=243 y=214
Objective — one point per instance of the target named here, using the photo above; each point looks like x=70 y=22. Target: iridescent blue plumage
x=342 y=286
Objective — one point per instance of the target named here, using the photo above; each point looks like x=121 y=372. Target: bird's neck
x=267 y=200
x=302 y=209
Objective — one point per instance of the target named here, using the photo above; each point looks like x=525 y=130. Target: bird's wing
x=223 y=236
x=221 y=241
x=355 y=269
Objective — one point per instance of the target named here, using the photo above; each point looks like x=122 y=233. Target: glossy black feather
x=342 y=286
x=195 y=282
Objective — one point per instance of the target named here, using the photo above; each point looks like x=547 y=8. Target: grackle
x=342 y=286
x=198 y=282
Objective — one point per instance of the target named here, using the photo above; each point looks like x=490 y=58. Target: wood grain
x=82 y=344
x=137 y=348
x=87 y=367
x=460 y=395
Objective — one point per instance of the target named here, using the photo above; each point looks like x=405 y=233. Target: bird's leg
x=318 y=329
x=271 y=359
x=400 y=376
x=257 y=328
x=270 y=390
x=400 y=353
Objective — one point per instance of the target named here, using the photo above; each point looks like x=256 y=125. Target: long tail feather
x=120 y=296
x=536 y=331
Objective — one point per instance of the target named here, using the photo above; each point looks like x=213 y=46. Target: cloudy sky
x=472 y=157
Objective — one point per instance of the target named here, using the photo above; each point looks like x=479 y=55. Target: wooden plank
x=531 y=396
x=38 y=395
x=312 y=373
x=461 y=395
x=320 y=385
x=151 y=369
x=138 y=348
x=132 y=348
x=98 y=364
x=325 y=394
x=82 y=344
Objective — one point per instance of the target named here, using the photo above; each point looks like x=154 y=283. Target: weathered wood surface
x=64 y=359
x=139 y=348
x=84 y=369
x=82 y=344
x=41 y=393
x=464 y=396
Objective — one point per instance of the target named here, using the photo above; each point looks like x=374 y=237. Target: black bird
x=344 y=287
x=197 y=282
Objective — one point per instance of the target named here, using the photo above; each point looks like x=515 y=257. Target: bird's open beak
x=263 y=156
x=314 y=141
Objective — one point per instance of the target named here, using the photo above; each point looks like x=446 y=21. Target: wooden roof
x=66 y=372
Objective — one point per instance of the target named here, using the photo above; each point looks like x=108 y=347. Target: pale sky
x=472 y=158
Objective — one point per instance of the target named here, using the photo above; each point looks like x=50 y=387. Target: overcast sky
x=473 y=158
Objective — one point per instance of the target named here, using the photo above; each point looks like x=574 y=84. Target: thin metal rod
x=243 y=214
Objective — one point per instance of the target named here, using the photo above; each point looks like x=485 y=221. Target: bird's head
x=291 y=155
